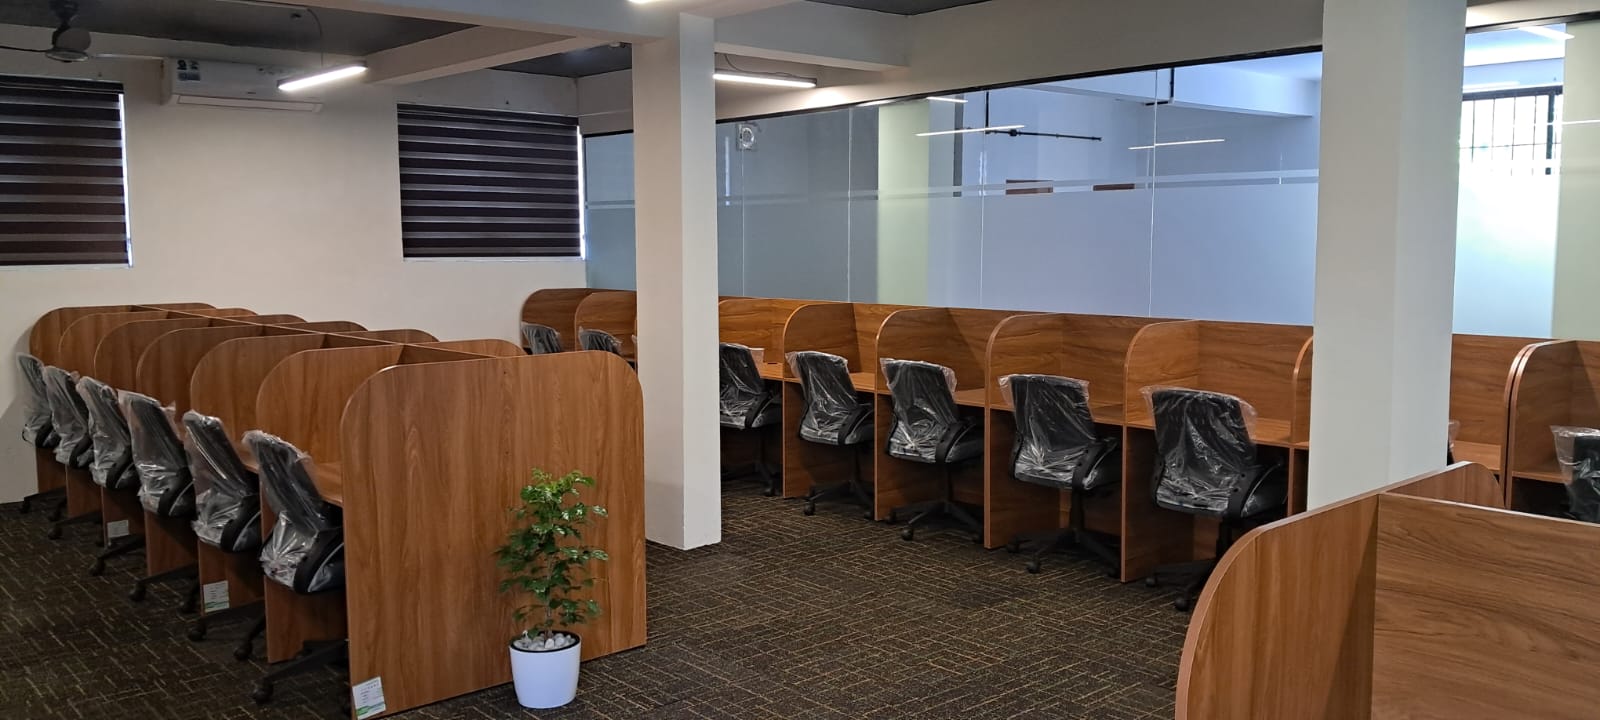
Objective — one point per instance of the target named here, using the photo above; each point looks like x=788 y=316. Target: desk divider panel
x=614 y=311
x=1482 y=369
x=557 y=308
x=1556 y=384
x=1161 y=354
x=273 y=319
x=326 y=326
x=167 y=367
x=489 y=347
x=405 y=335
x=1092 y=348
x=757 y=323
x=44 y=338
x=829 y=328
x=116 y=360
x=1284 y=629
x=425 y=432
x=82 y=339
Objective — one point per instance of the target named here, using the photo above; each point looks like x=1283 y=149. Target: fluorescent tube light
x=992 y=128
x=1177 y=142
x=763 y=79
x=1479 y=87
x=944 y=98
x=320 y=77
x=875 y=103
x=1545 y=32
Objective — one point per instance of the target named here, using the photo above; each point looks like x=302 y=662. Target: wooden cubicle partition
x=44 y=338
x=326 y=326
x=81 y=340
x=116 y=361
x=1557 y=384
x=956 y=338
x=484 y=346
x=557 y=308
x=168 y=364
x=1092 y=348
x=424 y=431
x=614 y=311
x=406 y=335
x=757 y=323
x=1253 y=361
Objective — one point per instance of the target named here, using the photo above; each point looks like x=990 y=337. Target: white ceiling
x=1484 y=48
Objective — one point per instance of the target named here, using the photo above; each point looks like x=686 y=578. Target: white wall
x=274 y=211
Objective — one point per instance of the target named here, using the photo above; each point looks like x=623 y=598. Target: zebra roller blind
x=488 y=184
x=61 y=180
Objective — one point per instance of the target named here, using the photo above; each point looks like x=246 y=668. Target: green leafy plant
x=544 y=556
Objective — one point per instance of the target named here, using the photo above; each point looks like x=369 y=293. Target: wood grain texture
x=327 y=326
x=1557 y=383
x=757 y=322
x=420 y=431
x=1481 y=374
x=1284 y=629
x=83 y=496
x=273 y=319
x=557 y=308
x=303 y=397
x=615 y=312
x=1161 y=354
x=169 y=543
x=44 y=338
x=825 y=328
x=395 y=336
x=81 y=340
x=118 y=505
x=116 y=360
x=242 y=572
x=48 y=474
x=228 y=377
x=1483 y=614
x=486 y=347
x=167 y=366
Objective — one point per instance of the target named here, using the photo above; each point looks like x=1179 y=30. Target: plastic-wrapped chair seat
x=1578 y=449
x=1058 y=446
x=37 y=429
x=929 y=428
x=599 y=340
x=69 y=417
x=1207 y=465
x=836 y=415
x=746 y=401
x=227 y=494
x=166 y=487
x=305 y=551
x=540 y=339
x=112 y=467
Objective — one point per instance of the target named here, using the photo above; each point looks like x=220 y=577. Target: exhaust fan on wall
x=68 y=43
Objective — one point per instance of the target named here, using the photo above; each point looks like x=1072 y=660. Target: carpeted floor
x=789 y=617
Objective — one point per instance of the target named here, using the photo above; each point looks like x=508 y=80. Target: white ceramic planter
x=546 y=679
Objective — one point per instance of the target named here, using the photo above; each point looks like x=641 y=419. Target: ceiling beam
x=464 y=51
x=819 y=34
x=607 y=20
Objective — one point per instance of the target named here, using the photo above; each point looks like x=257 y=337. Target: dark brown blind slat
x=61 y=180
x=487 y=183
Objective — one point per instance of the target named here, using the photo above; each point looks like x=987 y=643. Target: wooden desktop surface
x=1271 y=432
x=771 y=371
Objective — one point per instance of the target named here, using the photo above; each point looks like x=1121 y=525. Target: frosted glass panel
x=955 y=250
x=608 y=216
x=1506 y=253
x=1235 y=252
x=1081 y=252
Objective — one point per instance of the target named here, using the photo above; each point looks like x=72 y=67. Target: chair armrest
x=854 y=420
x=954 y=435
x=1091 y=458
x=1237 y=502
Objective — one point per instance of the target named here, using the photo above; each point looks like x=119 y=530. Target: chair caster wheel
x=977 y=538
x=1014 y=547
x=242 y=653
x=866 y=515
x=1114 y=574
x=55 y=515
x=54 y=533
x=138 y=593
x=25 y=508
x=810 y=509
x=892 y=518
x=97 y=569
x=1032 y=567
x=769 y=492
x=262 y=694
x=908 y=534
x=1181 y=604
x=197 y=633
x=1151 y=582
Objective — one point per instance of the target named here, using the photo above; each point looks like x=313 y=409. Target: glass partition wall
x=1178 y=192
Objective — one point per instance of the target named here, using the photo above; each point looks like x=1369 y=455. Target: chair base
x=187 y=572
x=56 y=529
x=118 y=547
x=851 y=491
x=944 y=513
x=1099 y=546
x=314 y=656
x=56 y=496
x=1197 y=572
x=255 y=612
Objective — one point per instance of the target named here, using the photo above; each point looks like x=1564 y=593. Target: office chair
x=929 y=428
x=304 y=552
x=1058 y=446
x=540 y=339
x=1207 y=465
x=747 y=402
x=38 y=431
x=112 y=467
x=74 y=448
x=835 y=415
x=1583 y=491
x=166 y=489
x=599 y=340
x=227 y=500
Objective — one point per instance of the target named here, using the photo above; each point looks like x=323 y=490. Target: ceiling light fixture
x=1545 y=32
x=1178 y=142
x=875 y=103
x=770 y=80
x=1480 y=87
x=321 y=76
x=991 y=128
x=944 y=98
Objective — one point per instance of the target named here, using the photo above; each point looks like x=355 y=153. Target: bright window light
x=763 y=79
x=992 y=128
x=320 y=77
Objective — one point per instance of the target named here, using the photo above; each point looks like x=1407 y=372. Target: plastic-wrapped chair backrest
x=830 y=396
x=1578 y=449
x=599 y=340
x=1203 y=444
x=742 y=390
x=165 y=486
x=36 y=426
x=227 y=495
x=1055 y=428
x=305 y=550
x=925 y=410
x=69 y=417
x=112 y=466
x=540 y=339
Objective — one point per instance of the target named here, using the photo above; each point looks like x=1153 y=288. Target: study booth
x=548 y=319
x=751 y=364
x=1556 y=387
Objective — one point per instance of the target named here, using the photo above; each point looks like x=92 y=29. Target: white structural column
x=1391 y=103
x=675 y=186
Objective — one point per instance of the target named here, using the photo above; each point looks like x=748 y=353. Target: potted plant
x=546 y=561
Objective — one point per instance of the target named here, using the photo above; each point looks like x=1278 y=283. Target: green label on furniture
x=367 y=698
x=116 y=529
x=216 y=595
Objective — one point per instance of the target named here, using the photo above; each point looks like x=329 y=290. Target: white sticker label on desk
x=216 y=596
x=367 y=698
x=116 y=529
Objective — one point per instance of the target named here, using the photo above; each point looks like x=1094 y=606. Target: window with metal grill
x=1516 y=132
x=488 y=184
x=61 y=180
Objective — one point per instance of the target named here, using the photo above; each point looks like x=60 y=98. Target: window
x=488 y=184
x=1518 y=131
x=61 y=185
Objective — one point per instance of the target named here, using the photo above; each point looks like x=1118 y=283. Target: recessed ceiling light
x=788 y=81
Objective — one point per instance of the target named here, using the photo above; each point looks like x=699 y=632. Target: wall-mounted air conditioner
x=225 y=84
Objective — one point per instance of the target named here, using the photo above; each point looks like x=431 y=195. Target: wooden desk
x=863 y=381
x=556 y=308
x=613 y=311
x=771 y=371
x=1555 y=383
x=972 y=397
